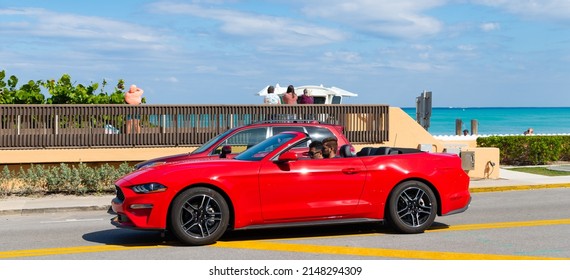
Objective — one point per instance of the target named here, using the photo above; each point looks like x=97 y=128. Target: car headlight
x=149 y=188
x=138 y=166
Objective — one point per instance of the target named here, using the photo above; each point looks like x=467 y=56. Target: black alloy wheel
x=412 y=207
x=199 y=216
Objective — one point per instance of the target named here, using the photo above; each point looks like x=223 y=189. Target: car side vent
x=119 y=193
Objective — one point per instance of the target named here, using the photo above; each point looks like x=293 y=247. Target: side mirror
x=225 y=150
x=288 y=156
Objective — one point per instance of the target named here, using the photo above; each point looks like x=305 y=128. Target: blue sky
x=469 y=53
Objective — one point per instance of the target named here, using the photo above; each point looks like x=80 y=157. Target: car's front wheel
x=412 y=207
x=199 y=216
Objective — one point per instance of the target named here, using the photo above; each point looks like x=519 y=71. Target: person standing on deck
x=306 y=98
x=133 y=97
x=271 y=97
x=290 y=97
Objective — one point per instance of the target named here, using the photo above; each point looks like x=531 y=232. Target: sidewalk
x=509 y=180
x=514 y=180
x=52 y=204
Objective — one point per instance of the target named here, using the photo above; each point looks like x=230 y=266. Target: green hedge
x=529 y=150
x=77 y=179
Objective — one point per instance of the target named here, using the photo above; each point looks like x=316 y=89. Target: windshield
x=212 y=141
x=260 y=150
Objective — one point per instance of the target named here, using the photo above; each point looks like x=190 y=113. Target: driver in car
x=316 y=150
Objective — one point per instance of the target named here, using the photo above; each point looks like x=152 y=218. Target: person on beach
x=133 y=97
x=290 y=97
x=529 y=131
x=465 y=132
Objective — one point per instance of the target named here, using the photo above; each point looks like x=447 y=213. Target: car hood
x=203 y=166
x=169 y=158
x=175 y=158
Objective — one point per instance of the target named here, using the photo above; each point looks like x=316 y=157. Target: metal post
x=423 y=109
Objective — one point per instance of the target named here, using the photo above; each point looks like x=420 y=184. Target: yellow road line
x=320 y=249
x=72 y=250
x=517 y=188
x=371 y=252
x=535 y=223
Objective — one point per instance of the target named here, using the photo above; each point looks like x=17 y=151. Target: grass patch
x=541 y=171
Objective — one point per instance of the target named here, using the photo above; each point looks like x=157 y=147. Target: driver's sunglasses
x=314 y=153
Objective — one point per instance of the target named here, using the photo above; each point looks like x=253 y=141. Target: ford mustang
x=269 y=185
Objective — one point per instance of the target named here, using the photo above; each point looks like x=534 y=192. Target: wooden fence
x=86 y=126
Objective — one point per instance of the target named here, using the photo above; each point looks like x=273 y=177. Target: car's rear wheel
x=199 y=216
x=412 y=207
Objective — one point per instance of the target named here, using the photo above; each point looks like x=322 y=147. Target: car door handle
x=350 y=170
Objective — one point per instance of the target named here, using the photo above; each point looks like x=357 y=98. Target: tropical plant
x=29 y=93
x=61 y=91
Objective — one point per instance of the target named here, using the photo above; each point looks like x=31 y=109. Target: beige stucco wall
x=485 y=158
x=406 y=132
x=87 y=155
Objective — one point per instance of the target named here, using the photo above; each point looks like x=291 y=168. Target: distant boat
x=321 y=94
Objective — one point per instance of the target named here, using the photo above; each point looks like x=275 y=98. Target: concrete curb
x=518 y=188
x=55 y=209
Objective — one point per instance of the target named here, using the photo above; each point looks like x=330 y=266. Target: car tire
x=412 y=207
x=199 y=216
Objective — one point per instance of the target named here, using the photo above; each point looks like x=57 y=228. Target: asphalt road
x=513 y=225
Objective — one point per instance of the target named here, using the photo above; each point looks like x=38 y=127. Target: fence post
x=474 y=127
x=458 y=126
x=163 y=124
x=18 y=125
x=56 y=125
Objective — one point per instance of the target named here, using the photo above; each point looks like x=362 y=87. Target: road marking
x=517 y=188
x=70 y=221
x=321 y=249
x=371 y=252
x=73 y=250
x=535 y=223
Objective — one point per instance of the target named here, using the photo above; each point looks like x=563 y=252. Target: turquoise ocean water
x=499 y=120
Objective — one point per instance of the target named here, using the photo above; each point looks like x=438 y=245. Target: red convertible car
x=269 y=185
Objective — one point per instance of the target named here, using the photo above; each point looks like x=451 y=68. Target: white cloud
x=41 y=23
x=403 y=18
x=270 y=30
x=348 y=57
x=205 y=69
x=543 y=9
x=171 y=79
x=467 y=48
x=490 y=26
x=420 y=47
x=412 y=66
